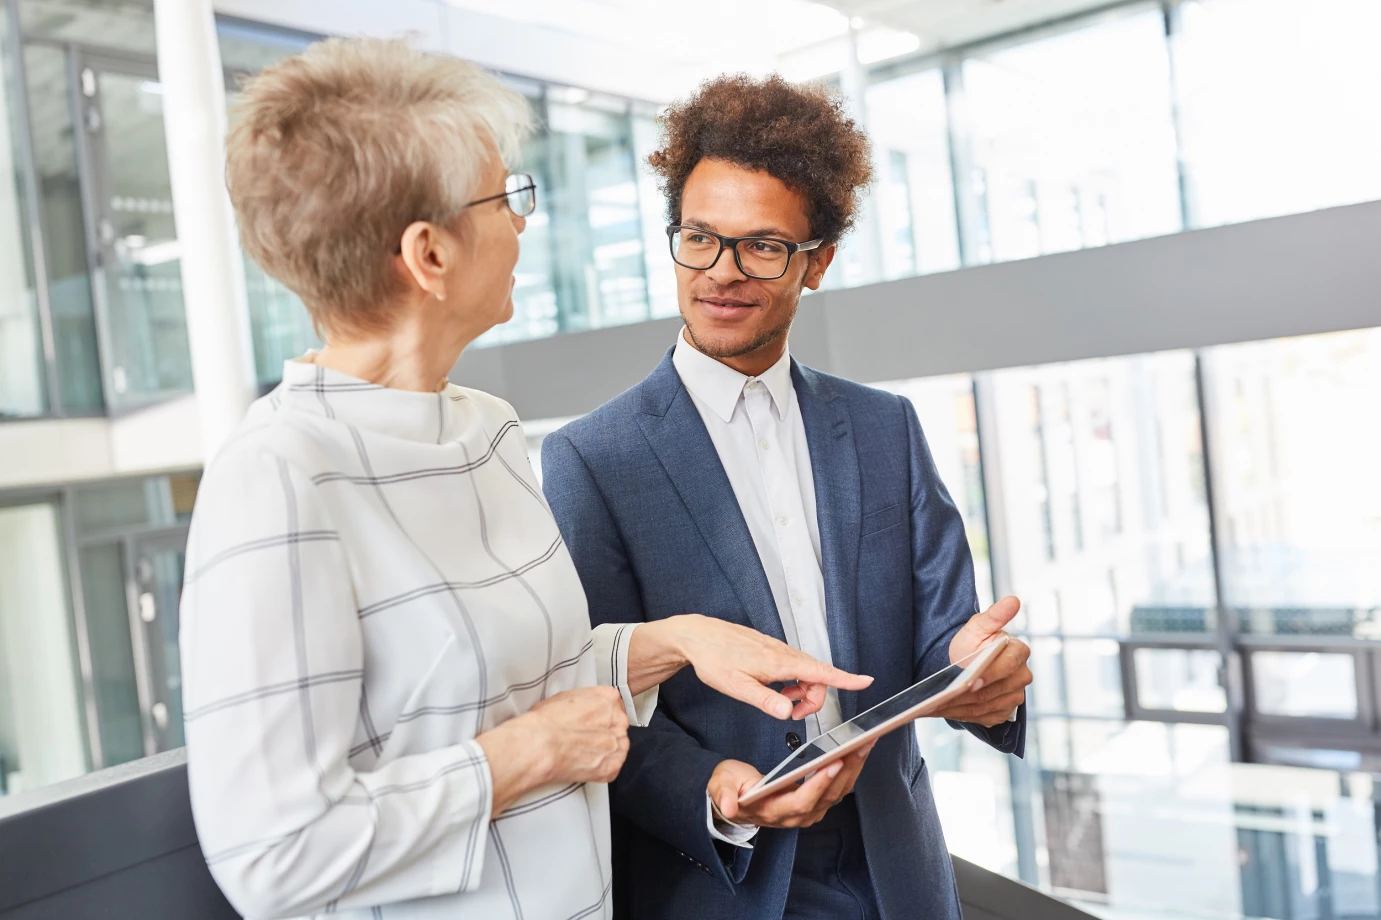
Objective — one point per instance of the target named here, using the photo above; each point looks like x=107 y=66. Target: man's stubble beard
x=757 y=343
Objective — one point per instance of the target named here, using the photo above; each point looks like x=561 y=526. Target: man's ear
x=820 y=260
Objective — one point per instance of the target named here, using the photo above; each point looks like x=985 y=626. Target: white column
x=213 y=285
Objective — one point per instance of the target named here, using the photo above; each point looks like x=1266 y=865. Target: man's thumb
x=995 y=618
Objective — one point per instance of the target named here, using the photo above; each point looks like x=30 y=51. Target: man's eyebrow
x=776 y=232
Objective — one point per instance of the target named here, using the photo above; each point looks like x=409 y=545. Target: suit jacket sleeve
x=942 y=570
x=661 y=788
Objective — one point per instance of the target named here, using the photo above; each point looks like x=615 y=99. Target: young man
x=740 y=484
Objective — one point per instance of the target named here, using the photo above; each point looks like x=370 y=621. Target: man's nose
x=725 y=270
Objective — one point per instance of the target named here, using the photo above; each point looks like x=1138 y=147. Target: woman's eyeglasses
x=519 y=190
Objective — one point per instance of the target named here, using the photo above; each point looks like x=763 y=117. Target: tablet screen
x=888 y=709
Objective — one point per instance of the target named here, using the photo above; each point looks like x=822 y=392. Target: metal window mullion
x=14 y=48
x=969 y=211
x=88 y=184
x=77 y=592
x=143 y=673
x=1189 y=217
x=1020 y=772
x=1235 y=668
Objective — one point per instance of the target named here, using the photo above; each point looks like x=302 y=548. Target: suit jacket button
x=793 y=740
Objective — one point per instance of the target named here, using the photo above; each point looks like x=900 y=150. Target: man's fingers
x=995 y=618
x=802 y=800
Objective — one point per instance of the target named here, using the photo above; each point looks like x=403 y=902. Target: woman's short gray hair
x=333 y=152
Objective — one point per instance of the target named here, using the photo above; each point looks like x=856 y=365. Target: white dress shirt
x=756 y=427
x=373 y=579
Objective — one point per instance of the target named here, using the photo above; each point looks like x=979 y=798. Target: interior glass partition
x=52 y=89
x=1280 y=104
x=1072 y=138
x=42 y=724
x=913 y=195
x=1300 y=501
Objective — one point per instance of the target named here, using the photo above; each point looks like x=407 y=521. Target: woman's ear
x=426 y=254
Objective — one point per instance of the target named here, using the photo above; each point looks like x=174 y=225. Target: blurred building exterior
x=1194 y=526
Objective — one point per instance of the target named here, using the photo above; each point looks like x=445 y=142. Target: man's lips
x=725 y=302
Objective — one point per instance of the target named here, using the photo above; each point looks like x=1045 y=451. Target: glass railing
x=1141 y=820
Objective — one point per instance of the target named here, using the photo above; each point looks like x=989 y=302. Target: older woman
x=395 y=704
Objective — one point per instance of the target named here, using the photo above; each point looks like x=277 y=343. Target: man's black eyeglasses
x=763 y=257
x=519 y=190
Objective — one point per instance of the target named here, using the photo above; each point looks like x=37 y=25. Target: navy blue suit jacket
x=645 y=506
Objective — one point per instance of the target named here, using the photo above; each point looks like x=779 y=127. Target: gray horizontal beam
x=1286 y=276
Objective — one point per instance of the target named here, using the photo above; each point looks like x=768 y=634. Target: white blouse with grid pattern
x=373 y=579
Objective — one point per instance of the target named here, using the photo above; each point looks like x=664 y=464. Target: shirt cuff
x=721 y=828
x=611 y=641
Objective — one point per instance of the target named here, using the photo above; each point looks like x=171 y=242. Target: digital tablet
x=915 y=702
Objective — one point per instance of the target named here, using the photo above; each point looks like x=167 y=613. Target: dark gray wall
x=1315 y=272
x=120 y=844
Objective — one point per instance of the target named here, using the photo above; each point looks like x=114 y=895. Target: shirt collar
x=720 y=386
x=406 y=414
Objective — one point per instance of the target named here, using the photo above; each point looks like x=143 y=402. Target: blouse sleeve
x=273 y=670
x=611 y=664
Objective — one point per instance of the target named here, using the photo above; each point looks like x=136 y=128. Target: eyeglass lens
x=522 y=194
x=758 y=257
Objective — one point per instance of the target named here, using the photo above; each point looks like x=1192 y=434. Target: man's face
x=731 y=317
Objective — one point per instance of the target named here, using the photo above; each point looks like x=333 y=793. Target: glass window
x=64 y=230
x=149 y=355
x=1093 y=677
x=1280 y=105
x=1103 y=500
x=249 y=47
x=22 y=369
x=42 y=732
x=115 y=686
x=126 y=25
x=913 y=194
x=1183 y=680
x=122 y=504
x=279 y=325
x=1073 y=139
x=973 y=794
x=1305 y=684
x=945 y=407
x=660 y=269
x=1295 y=469
x=583 y=263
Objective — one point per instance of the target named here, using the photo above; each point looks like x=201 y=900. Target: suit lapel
x=838 y=502
x=677 y=435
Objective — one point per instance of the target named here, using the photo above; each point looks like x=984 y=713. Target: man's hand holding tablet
x=999 y=693
x=984 y=685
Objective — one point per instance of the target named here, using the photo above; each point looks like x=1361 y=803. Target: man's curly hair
x=798 y=134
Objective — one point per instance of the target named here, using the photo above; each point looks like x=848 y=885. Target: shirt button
x=752 y=384
x=798 y=600
x=783 y=520
x=764 y=444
